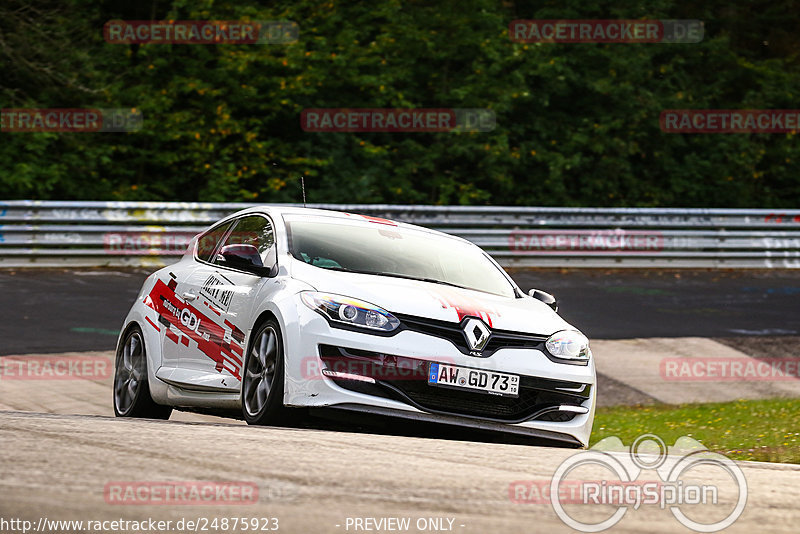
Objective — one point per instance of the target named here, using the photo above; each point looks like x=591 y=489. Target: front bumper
x=556 y=401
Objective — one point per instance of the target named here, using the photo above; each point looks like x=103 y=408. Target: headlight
x=569 y=345
x=346 y=310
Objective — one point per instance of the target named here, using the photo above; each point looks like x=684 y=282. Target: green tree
x=577 y=124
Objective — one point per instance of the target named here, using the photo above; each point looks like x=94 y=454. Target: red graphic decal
x=172 y=336
x=373 y=219
x=212 y=308
x=210 y=337
x=237 y=334
x=152 y=324
x=464 y=305
x=185 y=340
x=379 y=220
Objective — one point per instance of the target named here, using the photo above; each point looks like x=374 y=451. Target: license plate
x=491 y=382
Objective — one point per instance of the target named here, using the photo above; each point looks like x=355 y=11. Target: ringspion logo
x=606 y=31
x=585 y=491
x=705 y=491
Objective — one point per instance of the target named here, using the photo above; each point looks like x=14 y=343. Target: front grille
x=454 y=333
x=538 y=398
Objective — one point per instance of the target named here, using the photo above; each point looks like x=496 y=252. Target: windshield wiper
x=431 y=280
x=394 y=275
x=333 y=268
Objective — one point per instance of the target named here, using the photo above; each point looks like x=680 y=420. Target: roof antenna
x=303 y=184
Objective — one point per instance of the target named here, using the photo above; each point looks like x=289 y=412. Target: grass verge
x=763 y=430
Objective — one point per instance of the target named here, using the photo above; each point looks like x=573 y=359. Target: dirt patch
x=764 y=346
x=612 y=392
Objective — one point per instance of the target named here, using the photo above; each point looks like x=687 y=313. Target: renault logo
x=476 y=332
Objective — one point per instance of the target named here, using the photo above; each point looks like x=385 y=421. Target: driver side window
x=253 y=230
x=208 y=242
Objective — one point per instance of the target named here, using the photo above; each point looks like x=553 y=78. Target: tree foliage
x=577 y=124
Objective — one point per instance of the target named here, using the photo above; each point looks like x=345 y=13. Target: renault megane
x=274 y=308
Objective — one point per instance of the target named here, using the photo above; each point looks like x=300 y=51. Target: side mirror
x=547 y=298
x=245 y=257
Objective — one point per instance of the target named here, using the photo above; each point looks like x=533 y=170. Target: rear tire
x=131 y=387
x=262 y=383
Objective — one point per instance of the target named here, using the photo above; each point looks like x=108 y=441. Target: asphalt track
x=314 y=480
x=62 y=450
x=59 y=310
x=61 y=447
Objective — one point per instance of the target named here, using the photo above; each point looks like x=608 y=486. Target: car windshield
x=387 y=250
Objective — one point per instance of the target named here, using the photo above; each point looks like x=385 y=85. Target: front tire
x=262 y=383
x=131 y=388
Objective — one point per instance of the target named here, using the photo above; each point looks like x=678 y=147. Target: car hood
x=435 y=301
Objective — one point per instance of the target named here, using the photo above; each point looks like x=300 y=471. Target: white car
x=277 y=307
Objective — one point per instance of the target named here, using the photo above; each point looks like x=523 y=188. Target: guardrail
x=90 y=234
